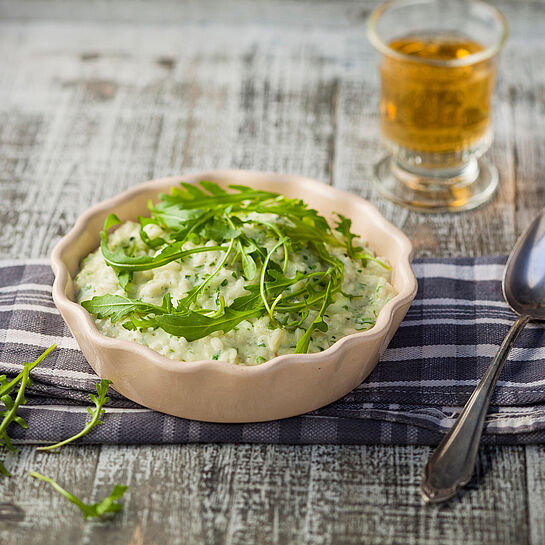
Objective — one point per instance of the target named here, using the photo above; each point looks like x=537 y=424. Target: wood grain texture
x=535 y=481
x=96 y=96
x=266 y=494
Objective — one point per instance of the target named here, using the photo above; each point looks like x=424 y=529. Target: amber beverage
x=431 y=108
x=437 y=71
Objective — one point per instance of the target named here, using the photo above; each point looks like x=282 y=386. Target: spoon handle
x=451 y=465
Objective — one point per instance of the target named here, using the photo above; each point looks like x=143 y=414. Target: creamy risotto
x=240 y=276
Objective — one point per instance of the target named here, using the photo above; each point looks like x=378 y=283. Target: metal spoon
x=451 y=465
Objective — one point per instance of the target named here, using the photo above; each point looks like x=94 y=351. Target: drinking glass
x=437 y=70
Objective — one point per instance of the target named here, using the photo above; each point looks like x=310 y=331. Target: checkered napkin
x=450 y=334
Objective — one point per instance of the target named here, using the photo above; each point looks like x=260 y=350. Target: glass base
x=437 y=191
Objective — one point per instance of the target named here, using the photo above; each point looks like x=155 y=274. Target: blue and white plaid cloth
x=450 y=334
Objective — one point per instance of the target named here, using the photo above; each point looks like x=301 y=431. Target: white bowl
x=217 y=391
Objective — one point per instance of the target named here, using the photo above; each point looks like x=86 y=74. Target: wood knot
x=101 y=89
x=11 y=512
x=166 y=62
x=89 y=56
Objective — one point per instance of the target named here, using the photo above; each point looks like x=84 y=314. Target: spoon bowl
x=451 y=465
x=524 y=277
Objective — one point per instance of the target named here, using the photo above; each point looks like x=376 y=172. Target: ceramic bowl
x=216 y=391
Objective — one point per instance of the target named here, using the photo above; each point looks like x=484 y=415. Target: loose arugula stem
x=11 y=413
x=107 y=505
x=59 y=489
x=102 y=389
x=9 y=386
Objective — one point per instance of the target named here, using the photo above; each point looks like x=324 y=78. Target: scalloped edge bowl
x=216 y=391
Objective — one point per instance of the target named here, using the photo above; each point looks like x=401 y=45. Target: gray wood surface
x=96 y=96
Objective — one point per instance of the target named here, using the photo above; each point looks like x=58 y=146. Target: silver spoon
x=451 y=465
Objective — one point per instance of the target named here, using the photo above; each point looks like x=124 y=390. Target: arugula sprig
x=6 y=387
x=107 y=505
x=100 y=401
x=344 y=226
x=200 y=214
x=11 y=405
x=10 y=415
x=121 y=262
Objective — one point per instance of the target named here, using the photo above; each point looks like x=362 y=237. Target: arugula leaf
x=355 y=252
x=107 y=505
x=249 y=266
x=10 y=414
x=343 y=226
x=216 y=229
x=318 y=323
x=6 y=388
x=151 y=242
x=171 y=216
x=120 y=261
x=116 y=307
x=213 y=188
x=192 y=197
x=102 y=390
x=193 y=325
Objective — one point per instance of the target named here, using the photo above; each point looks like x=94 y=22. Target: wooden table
x=96 y=96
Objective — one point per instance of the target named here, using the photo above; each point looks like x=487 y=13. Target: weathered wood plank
x=325 y=13
x=263 y=494
x=207 y=494
x=359 y=508
x=102 y=129
x=32 y=512
x=535 y=479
